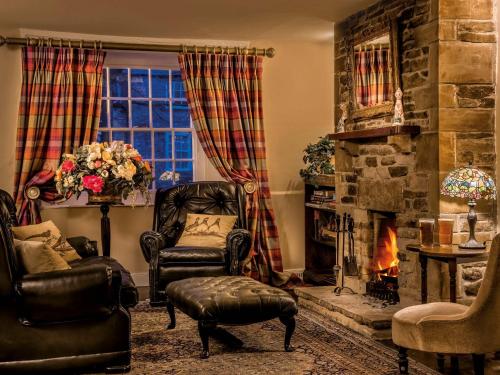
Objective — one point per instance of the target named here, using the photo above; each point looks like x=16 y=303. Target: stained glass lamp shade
x=472 y=184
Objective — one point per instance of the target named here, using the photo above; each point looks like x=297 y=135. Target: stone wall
x=448 y=68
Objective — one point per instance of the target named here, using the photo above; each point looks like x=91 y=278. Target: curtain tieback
x=250 y=187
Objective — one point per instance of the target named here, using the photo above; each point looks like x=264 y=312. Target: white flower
x=71 y=180
x=90 y=165
x=104 y=173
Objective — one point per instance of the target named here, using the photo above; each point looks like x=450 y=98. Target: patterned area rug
x=322 y=347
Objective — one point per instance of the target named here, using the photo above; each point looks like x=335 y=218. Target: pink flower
x=98 y=163
x=94 y=183
x=67 y=166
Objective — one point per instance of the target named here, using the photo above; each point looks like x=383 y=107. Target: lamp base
x=472 y=244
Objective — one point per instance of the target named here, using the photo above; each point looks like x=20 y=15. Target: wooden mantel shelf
x=376 y=132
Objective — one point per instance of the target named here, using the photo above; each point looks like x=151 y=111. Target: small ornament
x=399 y=115
x=250 y=187
x=343 y=117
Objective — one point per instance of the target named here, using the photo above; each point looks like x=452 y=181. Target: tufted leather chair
x=169 y=263
x=69 y=320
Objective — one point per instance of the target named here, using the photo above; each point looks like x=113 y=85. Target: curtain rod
x=57 y=42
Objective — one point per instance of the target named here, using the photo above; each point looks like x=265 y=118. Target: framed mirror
x=375 y=72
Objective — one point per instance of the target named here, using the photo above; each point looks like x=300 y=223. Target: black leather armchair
x=67 y=320
x=169 y=263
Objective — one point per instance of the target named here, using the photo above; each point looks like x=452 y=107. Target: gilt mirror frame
x=389 y=26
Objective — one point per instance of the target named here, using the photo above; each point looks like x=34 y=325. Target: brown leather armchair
x=68 y=320
x=169 y=263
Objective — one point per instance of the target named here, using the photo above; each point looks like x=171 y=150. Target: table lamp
x=473 y=184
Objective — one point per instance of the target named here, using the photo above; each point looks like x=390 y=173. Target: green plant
x=317 y=158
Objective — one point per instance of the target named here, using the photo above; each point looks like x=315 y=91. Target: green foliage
x=317 y=158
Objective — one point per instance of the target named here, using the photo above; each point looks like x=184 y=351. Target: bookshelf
x=320 y=234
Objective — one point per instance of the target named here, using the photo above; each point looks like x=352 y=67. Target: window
x=148 y=108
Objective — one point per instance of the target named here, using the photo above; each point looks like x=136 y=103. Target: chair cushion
x=230 y=299
x=129 y=297
x=192 y=256
x=410 y=331
x=207 y=230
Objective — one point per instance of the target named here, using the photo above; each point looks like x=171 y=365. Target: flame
x=387 y=259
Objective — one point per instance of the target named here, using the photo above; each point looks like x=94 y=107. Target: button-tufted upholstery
x=167 y=262
x=231 y=300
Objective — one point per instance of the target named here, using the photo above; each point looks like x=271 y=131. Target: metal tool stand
x=338 y=268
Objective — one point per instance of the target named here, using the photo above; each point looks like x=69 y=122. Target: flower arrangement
x=104 y=169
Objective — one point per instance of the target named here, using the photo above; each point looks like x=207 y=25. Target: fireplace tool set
x=350 y=267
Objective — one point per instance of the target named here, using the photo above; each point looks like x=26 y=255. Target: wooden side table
x=447 y=254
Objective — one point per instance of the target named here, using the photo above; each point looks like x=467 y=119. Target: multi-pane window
x=148 y=108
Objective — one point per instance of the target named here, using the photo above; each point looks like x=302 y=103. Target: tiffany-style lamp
x=473 y=184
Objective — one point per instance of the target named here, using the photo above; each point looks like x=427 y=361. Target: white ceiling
x=188 y=19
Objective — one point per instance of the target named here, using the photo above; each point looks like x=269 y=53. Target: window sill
x=73 y=202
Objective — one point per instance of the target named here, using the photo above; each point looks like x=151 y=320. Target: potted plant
x=107 y=172
x=318 y=160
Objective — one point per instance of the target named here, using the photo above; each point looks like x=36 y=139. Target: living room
x=391 y=161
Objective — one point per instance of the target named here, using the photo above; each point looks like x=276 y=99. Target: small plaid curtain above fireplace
x=59 y=110
x=373 y=77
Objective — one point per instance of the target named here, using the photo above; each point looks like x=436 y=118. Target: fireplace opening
x=385 y=262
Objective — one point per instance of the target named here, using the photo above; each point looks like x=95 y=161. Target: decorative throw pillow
x=206 y=230
x=48 y=233
x=39 y=257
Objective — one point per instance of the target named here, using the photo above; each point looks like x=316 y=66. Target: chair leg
x=117 y=369
x=290 y=328
x=403 y=360
x=455 y=368
x=478 y=360
x=440 y=363
x=171 y=314
x=204 y=328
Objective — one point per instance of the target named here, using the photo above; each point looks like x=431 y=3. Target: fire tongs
x=347 y=225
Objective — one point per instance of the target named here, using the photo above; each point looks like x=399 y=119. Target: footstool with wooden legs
x=229 y=300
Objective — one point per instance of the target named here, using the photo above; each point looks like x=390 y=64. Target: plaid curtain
x=225 y=100
x=373 y=78
x=59 y=110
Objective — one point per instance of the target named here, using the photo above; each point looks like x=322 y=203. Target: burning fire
x=387 y=258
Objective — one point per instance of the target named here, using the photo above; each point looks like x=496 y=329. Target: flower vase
x=103 y=198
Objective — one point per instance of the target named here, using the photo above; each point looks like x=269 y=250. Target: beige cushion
x=48 y=233
x=207 y=230
x=39 y=257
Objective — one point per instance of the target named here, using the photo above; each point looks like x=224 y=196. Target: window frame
x=170 y=99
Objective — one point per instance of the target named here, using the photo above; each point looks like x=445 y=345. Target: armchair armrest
x=238 y=244
x=83 y=246
x=151 y=243
x=77 y=294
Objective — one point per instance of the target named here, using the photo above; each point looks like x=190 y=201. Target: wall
x=298 y=97
x=448 y=75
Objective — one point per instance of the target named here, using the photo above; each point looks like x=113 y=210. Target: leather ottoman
x=229 y=300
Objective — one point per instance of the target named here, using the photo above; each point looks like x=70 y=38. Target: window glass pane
x=183 y=145
x=121 y=136
x=140 y=114
x=119 y=114
x=103 y=123
x=139 y=83
x=142 y=142
x=180 y=114
x=102 y=136
x=118 y=82
x=159 y=168
x=185 y=170
x=159 y=83
x=163 y=145
x=177 y=85
x=105 y=82
x=161 y=115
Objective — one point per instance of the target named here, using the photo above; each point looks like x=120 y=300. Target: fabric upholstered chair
x=68 y=320
x=169 y=263
x=451 y=328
